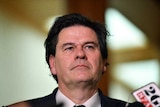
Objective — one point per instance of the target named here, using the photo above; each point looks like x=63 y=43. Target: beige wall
x=24 y=73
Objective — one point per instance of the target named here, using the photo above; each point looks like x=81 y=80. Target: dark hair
x=71 y=20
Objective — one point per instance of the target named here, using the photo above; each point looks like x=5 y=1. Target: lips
x=80 y=66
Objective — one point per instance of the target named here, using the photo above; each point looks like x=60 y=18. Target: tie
x=79 y=106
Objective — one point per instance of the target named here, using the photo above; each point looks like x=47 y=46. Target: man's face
x=78 y=58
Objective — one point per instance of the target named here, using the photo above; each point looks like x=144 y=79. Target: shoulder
x=114 y=102
x=135 y=104
x=111 y=102
x=20 y=104
x=48 y=100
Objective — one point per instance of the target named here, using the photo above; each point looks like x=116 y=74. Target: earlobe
x=105 y=68
x=105 y=65
x=52 y=64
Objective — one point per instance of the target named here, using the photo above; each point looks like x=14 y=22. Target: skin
x=21 y=104
x=78 y=63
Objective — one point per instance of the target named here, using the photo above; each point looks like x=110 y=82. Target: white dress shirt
x=94 y=101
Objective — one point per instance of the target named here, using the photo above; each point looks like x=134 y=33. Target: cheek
x=62 y=65
x=97 y=64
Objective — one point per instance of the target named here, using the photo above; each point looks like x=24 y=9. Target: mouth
x=80 y=67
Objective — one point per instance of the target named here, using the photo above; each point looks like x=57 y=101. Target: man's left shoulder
x=135 y=104
x=112 y=102
x=120 y=103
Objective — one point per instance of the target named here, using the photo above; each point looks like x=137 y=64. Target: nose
x=80 y=53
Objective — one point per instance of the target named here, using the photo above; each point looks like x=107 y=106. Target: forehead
x=77 y=33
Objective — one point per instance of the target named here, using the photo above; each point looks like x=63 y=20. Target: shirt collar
x=94 y=101
x=61 y=98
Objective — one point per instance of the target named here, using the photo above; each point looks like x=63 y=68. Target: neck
x=78 y=95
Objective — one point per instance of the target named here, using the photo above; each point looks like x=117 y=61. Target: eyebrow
x=92 y=42
x=68 y=43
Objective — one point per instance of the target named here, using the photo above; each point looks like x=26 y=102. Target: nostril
x=81 y=57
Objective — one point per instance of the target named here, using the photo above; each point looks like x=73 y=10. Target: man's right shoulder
x=20 y=104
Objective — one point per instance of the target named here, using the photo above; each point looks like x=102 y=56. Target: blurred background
x=134 y=45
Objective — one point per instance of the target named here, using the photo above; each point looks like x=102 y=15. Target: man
x=76 y=52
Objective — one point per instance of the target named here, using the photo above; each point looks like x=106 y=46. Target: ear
x=52 y=64
x=105 y=65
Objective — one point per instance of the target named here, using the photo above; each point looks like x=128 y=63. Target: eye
x=68 y=48
x=90 y=47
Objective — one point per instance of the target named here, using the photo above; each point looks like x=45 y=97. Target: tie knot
x=79 y=106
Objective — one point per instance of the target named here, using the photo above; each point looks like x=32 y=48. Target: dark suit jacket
x=50 y=101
